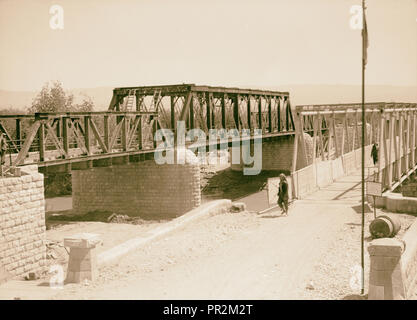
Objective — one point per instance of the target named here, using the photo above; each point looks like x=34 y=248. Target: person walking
x=374 y=153
x=283 y=194
x=3 y=149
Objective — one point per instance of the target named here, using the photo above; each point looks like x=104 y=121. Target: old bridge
x=110 y=154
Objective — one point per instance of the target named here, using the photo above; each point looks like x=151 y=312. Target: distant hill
x=16 y=99
x=322 y=94
x=299 y=94
x=101 y=96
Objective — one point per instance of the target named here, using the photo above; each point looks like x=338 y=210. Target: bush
x=57 y=185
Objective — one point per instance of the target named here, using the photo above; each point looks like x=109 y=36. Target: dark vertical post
x=87 y=133
x=287 y=116
x=65 y=139
x=249 y=114
x=213 y=123
x=291 y=120
x=260 y=113
x=269 y=114
x=41 y=141
x=18 y=133
x=118 y=120
x=223 y=105
x=191 y=113
x=124 y=133
x=139 y=132
x=154 y=128
x=106 y=132
x=172 y=112
x=363 y=148
x=58 y=127
x=137 y=102
x=118 y=98
x=74 y=125
x=279 y=114
x=208 y=110
x=236 y=111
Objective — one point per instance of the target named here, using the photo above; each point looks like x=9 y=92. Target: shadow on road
x=271 y=216
x=355 y=297
x=358 y=208
x=229 y=184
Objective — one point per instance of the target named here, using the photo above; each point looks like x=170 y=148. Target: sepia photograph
x=207 y=155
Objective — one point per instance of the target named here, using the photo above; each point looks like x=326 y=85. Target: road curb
x=208 y=209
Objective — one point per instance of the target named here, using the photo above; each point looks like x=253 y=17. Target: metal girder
x=207 y=107
x=184 y=88
x=78 y=135
x=84 y=134
x=392 y=125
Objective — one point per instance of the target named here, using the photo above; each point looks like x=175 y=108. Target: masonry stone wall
x=278 y=154
x=143 y=189
x=393 y=272
x=22 y=224
x=410 y=189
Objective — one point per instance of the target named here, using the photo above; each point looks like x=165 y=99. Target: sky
x=224 y=43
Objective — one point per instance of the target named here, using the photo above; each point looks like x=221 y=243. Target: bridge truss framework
x=135 y=113
x=392 y=125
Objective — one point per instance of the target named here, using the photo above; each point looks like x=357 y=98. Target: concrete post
x=385 y=280
x=82 y=262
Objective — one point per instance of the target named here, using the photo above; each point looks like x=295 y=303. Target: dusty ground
x=309 y=255
x=340 y=262
x=112 y=235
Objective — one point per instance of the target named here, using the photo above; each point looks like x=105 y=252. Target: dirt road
x=235 y=256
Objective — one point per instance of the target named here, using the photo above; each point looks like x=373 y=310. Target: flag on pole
x=365 y=45
x=365 y=37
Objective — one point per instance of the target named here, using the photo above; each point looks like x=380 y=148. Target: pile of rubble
x=121 y=218
x=56 y=253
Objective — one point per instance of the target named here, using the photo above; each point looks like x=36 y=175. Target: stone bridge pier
x=144 y=189
x=22 y=224
x=277 y=154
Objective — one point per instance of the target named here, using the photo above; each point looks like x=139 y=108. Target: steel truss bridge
x=392 y=125
x=77 y=140
x=124 y=133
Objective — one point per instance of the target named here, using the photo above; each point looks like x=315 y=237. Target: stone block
x=376 y=292
x=386 y=247
x=386 y=279
x=82 y=240
x=82 y=262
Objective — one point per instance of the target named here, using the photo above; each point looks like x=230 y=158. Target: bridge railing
x=72 y=134
x=392 y=126
x=208 y=108
x=135 y=113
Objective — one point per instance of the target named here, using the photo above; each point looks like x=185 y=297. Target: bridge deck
x=135 y=114
x=126 y=132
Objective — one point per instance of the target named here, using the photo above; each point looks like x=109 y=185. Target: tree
x=86 y=105
x=54 y=99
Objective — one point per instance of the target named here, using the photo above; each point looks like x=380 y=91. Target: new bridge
x=314 y=143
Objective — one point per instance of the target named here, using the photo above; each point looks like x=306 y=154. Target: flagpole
x=363 y=151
